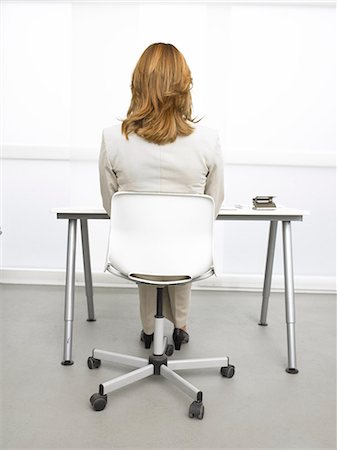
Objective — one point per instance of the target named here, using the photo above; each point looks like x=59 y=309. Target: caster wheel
x=98 y=401
x=93 y=363
x=196 y=410
x=169 y=350
x=228 y=371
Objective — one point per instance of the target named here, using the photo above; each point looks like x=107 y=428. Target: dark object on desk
x=263 y=201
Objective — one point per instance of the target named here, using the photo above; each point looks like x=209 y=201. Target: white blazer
x=191 y=164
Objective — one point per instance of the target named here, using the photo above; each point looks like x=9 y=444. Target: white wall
x=264 y=75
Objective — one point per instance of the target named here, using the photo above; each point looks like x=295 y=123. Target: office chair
x=159 y=240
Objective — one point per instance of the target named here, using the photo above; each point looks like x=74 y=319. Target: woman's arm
x=215 y=177
x=107 y=177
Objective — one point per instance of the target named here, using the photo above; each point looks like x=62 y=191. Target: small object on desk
x=233 y=207
x=228 y=207
x=263 y=202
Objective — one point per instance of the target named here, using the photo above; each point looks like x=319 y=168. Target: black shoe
x=146 y=338
x=180 y=337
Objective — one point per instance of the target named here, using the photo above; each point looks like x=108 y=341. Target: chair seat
x=159 y=278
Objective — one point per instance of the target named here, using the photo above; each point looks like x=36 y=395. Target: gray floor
x=45 y=405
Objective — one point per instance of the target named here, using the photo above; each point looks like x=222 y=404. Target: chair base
x=155 y=365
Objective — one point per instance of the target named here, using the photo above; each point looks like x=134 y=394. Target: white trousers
x=176 y=303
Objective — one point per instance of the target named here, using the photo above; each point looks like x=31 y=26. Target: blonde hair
x=161 y=102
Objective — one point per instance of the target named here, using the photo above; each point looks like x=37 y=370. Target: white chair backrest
x=163 y=235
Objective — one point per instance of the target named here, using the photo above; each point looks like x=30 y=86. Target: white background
x=264 y=75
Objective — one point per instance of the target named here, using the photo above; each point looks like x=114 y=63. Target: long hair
x=161 y=103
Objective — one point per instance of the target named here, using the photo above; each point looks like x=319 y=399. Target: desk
x=284 y=215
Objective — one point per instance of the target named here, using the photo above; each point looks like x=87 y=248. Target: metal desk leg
x=289 y=296
x=69 y=294
x=87 y=270
x=268 y=272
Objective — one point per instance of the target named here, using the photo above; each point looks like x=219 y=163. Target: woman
x=160 y=148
